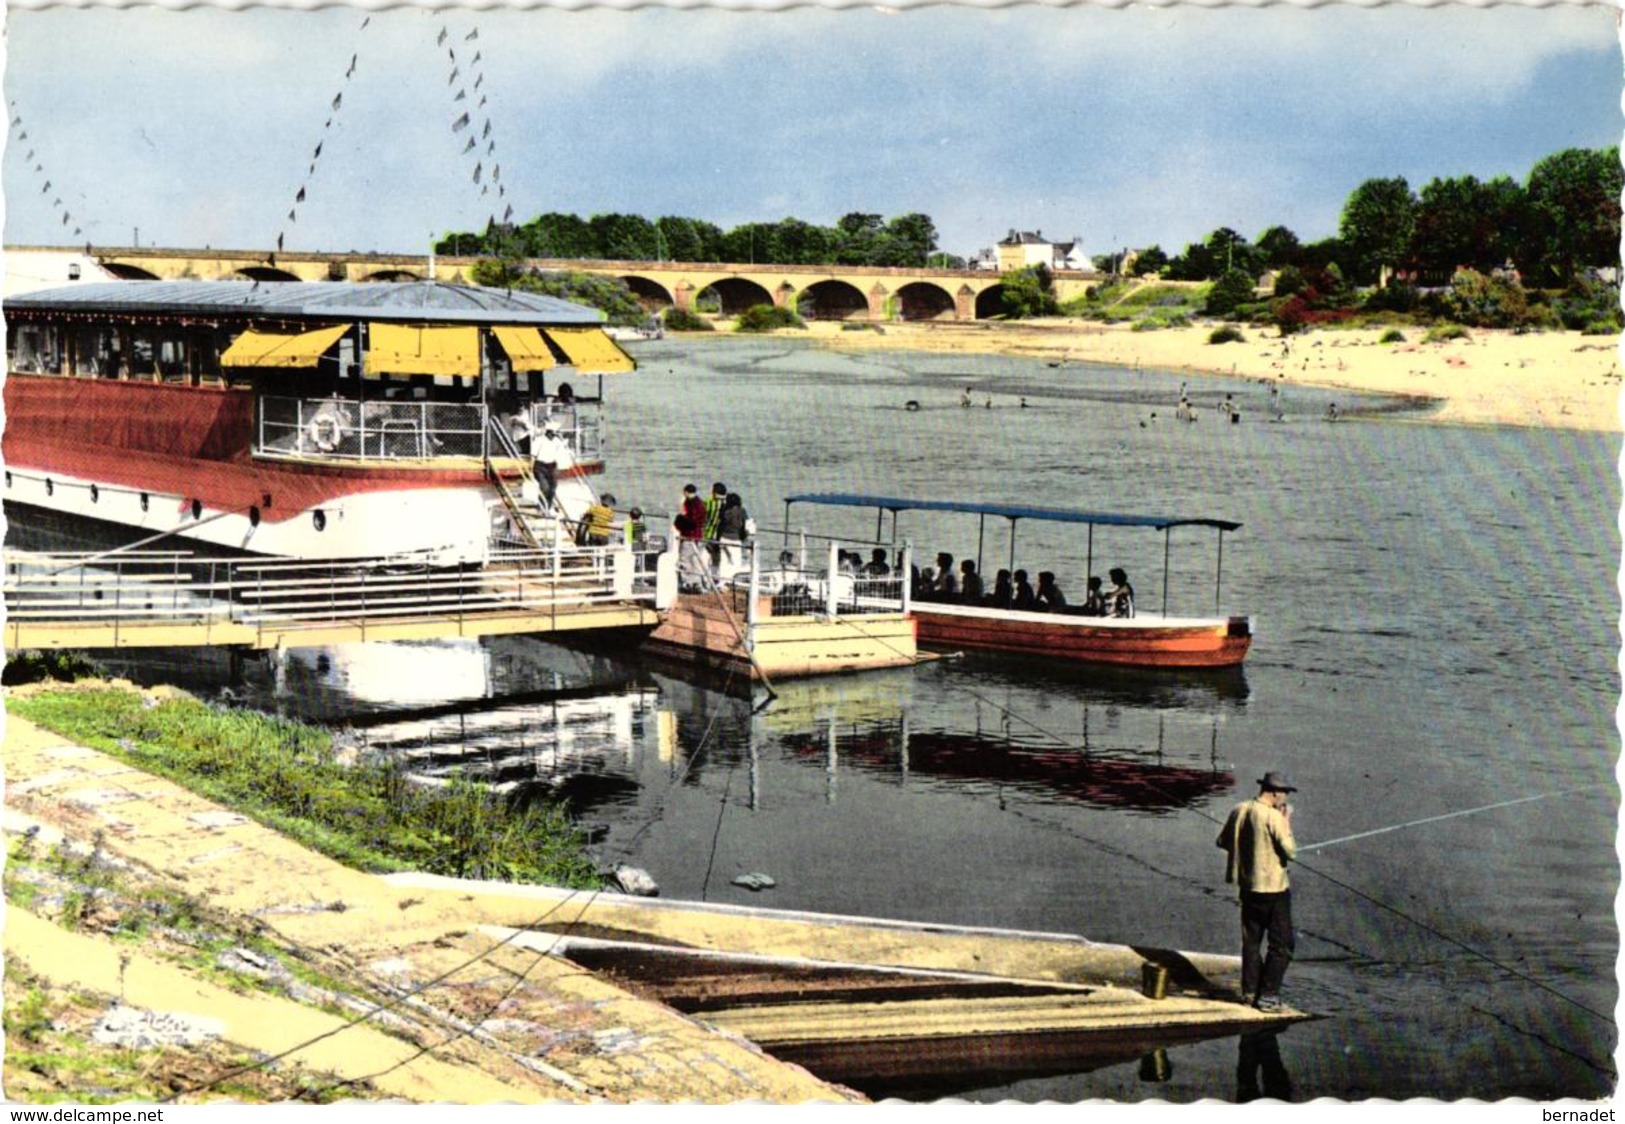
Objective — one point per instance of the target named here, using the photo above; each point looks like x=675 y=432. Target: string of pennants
x=316 y=154
x=37 y=169
x=474 y=120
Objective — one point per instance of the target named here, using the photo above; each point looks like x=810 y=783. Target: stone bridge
x=726 y=289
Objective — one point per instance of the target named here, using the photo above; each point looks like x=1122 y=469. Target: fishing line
x=1446 y=816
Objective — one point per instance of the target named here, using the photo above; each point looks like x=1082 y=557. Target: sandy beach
x=1551 y=379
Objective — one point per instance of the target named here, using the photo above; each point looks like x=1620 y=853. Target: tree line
x=1563 y=219
x=907 y=241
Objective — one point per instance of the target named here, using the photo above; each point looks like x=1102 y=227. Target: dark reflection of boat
x=1064 y=773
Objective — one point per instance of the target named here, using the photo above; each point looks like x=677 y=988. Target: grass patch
x=286 y=775
x=1227 y=333
x=1392 y=335
x=1446 y=332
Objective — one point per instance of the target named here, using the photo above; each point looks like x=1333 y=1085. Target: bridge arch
x=126 y=272
x=651 y=294
x=923 y=300
x=832 y=300
x=266 y=273
x=392 y=275
x=732 y=295
x=990 y=302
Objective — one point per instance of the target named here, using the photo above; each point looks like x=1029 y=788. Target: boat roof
x=316 y=300
x=1010 y=511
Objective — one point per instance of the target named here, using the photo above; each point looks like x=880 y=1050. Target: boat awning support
x=1167 y=536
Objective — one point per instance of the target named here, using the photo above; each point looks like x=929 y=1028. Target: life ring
x=325 y=430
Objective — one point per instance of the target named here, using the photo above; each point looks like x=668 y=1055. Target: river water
x=1436 y=614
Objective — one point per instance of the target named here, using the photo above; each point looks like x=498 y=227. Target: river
x=1436 y=613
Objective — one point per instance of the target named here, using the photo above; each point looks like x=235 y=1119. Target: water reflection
x=1259 y=1069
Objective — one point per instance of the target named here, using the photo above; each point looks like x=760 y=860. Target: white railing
x=809 y=576
x=149 y=589
x=382 y=429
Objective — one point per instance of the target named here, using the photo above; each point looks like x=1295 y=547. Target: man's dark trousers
x=1260 y=914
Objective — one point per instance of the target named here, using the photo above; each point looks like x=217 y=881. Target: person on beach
x=1257 y=838
x=964 y=399
x=1120 y=601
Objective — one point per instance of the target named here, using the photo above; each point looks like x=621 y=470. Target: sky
x=1118 y=126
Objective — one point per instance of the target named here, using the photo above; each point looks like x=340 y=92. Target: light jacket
x=1258 y=839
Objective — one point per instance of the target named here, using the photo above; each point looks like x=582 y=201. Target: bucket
x=1154 y=981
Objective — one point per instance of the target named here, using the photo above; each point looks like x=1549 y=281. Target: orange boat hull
x=1142 y=642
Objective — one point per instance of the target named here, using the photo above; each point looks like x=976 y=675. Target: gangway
x=172 y=599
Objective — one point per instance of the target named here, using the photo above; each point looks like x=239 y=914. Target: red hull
x=1142 y=642
x=194 y=442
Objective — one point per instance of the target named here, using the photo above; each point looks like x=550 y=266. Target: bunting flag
x=470 y=147
x=335 y=106
x=478 y=168
x=471 y=36
x=479 y=81
x=461 y=94
x=487 y=131
x=454 y=73
x=460 y=124
x=476 y=56
x=441 y=42
x=47 y=184
x=508 y=214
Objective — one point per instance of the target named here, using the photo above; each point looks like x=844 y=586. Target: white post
x=905 y=570
x=750 y=604
x=666 y=576
x=621 y=566
x=833 y=572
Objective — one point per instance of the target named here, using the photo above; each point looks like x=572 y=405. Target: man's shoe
x=1271 y=1003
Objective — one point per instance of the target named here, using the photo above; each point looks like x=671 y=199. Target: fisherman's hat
x=1276 y=782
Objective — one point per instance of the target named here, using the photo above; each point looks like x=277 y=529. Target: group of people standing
x=711 y=533
x=1013 y=590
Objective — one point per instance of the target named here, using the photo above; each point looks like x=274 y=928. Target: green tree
x=1574 y=202
x=685 y=239
x=1233 y=289
x=1029 y=291
x=1376 y=226
x=618 y=237
x=556 y=235
x=907 y=241
x=858 y=237
x=1279 y=247
x=1461 y=222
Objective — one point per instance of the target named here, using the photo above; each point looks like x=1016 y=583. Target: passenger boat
x=1145 y=640
x=308 y=420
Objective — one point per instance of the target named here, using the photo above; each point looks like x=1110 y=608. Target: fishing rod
x=1304 y=847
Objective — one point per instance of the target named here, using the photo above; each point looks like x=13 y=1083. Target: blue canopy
x=1010 y=511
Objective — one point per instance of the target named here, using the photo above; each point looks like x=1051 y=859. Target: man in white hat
x=1258 y=839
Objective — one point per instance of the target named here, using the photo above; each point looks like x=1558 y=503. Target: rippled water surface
x=1436 y=612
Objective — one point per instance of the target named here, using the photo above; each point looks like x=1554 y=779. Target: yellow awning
x=590 y=349
x=526 y=348
x=415 y=349
x=257 y=348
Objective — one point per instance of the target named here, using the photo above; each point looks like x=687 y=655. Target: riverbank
x=177 y=949
x=1558 y=380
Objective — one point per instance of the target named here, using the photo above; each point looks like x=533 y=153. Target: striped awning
x=261 y=348
x=418 y=349
x=589 y=349
x=526 y=348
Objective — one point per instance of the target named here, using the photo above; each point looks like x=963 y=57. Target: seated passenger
x=1003 y=591
x=1120 y=601
x=1048 y=595
x=946 y=587
x=1094 y=602
x=1023 y=598
x=876 y=567
x=970 y=583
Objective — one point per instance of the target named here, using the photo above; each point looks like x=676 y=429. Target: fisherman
x=1258 y=840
